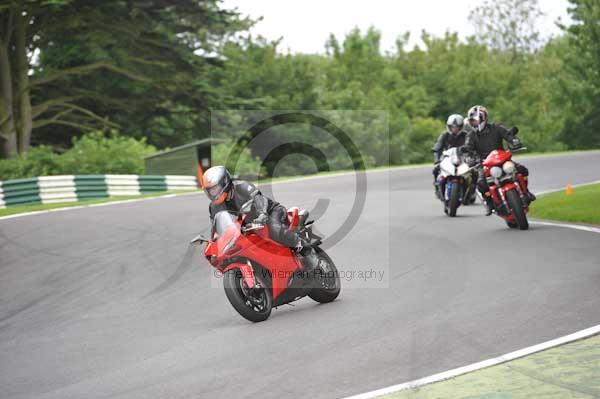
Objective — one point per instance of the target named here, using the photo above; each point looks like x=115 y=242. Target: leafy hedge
x=93 y=153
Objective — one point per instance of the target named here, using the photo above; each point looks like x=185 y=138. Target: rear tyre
x=472 y=194
x=327 y=278
x=515 y=204
x=254 y=305
x=454 y=199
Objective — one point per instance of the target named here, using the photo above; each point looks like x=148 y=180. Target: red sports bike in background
x=507 y=188
x=259 y=273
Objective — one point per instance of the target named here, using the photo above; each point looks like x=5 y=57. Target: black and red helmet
x=478 y=117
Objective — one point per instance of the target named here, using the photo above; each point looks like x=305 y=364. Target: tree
x=584 y=66
x=89 y=64
x=508 y=25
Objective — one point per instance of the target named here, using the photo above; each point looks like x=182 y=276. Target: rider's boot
x=488 y=203
x=436 y=189
x=524 y=182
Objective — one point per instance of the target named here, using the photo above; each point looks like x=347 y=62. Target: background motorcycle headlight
x=496 y=172
x=509 y=167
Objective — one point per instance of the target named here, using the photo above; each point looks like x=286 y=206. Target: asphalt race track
x=106 y=302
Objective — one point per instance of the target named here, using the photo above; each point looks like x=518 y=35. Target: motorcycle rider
x=454 y=136
x=227 y=194
x=485 y=137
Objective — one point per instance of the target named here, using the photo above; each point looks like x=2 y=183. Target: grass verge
x=567 y=371
x=581 y=206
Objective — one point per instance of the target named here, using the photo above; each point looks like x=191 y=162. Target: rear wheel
x=516 y=206
x=252 y=304
x=471 y=194
x=327 y=279
x=454 y=199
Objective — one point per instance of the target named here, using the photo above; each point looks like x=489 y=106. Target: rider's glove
x=261 y=219
x=516 y=142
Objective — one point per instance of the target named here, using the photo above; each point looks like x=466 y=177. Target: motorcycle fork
x=503 y=198
x=520 y=191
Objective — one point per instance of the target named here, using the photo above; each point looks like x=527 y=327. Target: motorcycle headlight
x=496 y=172
x=509 y=167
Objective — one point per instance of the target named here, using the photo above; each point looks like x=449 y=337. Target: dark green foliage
x=93 y=153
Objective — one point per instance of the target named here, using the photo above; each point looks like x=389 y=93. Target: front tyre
x=454 y=200
x=512 y=225
x=254 y=305
x=516 y=206
x=327 y=279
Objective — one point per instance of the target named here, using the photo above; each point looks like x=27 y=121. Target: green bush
x=93 y=153
x=40 y=161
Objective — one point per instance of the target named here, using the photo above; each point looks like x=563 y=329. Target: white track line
x=568 y=226
x=68 y=208
x=556 y=190
x=588 y=332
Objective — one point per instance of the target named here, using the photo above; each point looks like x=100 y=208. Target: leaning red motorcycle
x=507 y=188
x=259 y=273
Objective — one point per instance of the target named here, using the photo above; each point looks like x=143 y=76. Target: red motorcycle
x=507 y=188
x=259 y=273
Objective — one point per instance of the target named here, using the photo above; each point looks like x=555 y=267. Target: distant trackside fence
x=73 y=188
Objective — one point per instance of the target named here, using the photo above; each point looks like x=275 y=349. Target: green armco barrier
x=149 y=184
x=69 y=188
x=90 y=186
x=24 y=199
x=21 y=191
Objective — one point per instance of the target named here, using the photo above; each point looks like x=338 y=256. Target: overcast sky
x=305 y=25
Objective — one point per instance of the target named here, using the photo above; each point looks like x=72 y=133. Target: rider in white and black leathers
x=454 y=136
x=227 y=194
x=484 y=138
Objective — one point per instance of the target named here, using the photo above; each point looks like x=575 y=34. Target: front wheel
x=516 y=206
x=512 y=225
x=454 y=201
x=327 y=278
x=252 y=304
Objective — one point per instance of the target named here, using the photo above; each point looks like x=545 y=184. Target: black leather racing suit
x=276 y=213
x=480 y=143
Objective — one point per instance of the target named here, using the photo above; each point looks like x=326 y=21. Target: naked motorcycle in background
x=507 y=188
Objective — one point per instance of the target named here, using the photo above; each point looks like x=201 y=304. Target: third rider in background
x=453 y=136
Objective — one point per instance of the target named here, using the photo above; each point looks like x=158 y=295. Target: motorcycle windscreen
x=225 y=230
x=222 y=221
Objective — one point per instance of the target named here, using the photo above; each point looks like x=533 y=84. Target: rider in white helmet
x=454 y=136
